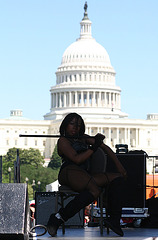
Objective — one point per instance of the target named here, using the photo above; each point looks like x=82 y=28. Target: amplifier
x=47 y=203
x=134 y=194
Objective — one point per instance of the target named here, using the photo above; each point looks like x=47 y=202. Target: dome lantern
x=85 y=24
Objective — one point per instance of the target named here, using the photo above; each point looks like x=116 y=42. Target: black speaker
x=0 y=169
x=14 y=211
x=134 y=194
x=47 y=203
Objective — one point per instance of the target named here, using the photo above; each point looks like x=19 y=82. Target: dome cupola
x=85 y=50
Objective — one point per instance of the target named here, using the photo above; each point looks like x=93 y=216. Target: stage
x=91 y=233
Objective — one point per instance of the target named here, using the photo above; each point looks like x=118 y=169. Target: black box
x=47 y=203
x=134 y=194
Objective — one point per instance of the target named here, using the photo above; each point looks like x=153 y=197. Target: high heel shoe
x=114 y=226
x=53 y=225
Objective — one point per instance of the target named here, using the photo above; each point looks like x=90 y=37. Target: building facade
x=15 y=125
x=85 y=83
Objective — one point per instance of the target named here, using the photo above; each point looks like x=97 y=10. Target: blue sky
x=35 y=33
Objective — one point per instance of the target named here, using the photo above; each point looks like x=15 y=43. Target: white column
x=112 y=100
x=76 y=100
x=105 y=99
x=77 y=77
x=116 y=100
x=125 y=136
x=82 y=77
x=137 y=137
x=93 y=99
x=103 y=102
x=88 y=98
x=70 y=102
x=87 y=77
x=56 y=99
x=128 y=136
x=99 y=99
x=60 y=104
x=52 y=102
x=82 y=101
x=109 y=99
x=64 y=99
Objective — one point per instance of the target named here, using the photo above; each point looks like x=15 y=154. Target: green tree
x=32 y=157
x=42 y=174
x=31 y=166
x=56 y=160
x=27 y=156
x=11 y=156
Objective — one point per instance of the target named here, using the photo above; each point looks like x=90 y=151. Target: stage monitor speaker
x=134 y=194
x=47 y=203
x=0 y=169
x=14 y=211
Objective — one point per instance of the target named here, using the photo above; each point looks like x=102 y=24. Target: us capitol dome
x=85 y=80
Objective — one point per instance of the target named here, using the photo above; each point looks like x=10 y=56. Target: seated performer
x=76 y=149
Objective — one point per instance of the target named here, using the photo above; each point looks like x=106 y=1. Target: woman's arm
x=65 y=148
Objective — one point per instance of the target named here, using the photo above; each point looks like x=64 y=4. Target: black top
x=79 y=147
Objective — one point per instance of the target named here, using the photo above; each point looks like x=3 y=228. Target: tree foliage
x=56 y=160
x=31 y=167
x=32 y=157
x=42 y=174
x=27 y=156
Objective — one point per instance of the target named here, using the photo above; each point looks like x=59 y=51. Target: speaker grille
x=47 y=203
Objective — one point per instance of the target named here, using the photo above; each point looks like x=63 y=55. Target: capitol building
x=85 y=83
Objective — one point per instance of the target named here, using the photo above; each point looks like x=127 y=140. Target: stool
x=64 y=192
x=101 y=213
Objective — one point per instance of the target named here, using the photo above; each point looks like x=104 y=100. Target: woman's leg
x=79 y=180
x=115 y=199
x=89 y=188
x=102 y=179
x=114 y=206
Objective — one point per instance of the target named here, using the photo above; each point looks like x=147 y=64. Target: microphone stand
x=53 y=136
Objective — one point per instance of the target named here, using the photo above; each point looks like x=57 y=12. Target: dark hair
x=68 y=119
